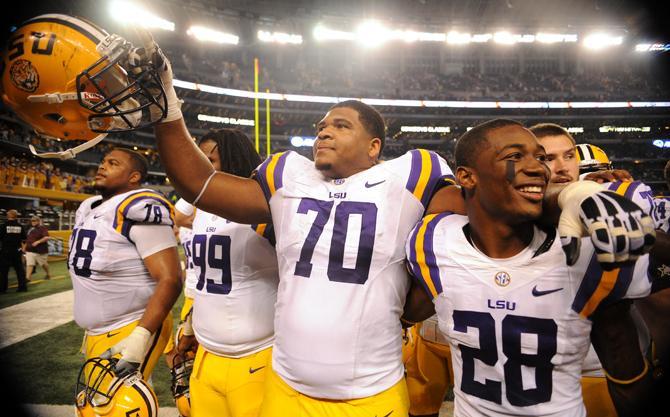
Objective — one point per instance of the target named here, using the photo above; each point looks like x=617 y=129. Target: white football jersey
x=234 y=300
x=343 y=279
x=661 y=213
x=518 y=327
x=111 y=284
x=642 y=195
x=185 y=236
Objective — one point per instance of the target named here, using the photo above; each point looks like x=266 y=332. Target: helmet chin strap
x=69 y=153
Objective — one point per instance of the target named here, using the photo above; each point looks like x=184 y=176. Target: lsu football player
x=515 y=351
x=234 y=297
x=124 y=266
x=586 y=161
x=62 y=75
x=340 y=222
x=180 y=364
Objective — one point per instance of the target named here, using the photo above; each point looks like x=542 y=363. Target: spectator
x=36 y=248
x=12 y=235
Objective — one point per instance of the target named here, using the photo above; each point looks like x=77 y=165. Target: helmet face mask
x=107 y=90
x=99 y=392
x=182 y=366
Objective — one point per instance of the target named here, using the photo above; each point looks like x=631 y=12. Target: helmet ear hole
x=55 y=117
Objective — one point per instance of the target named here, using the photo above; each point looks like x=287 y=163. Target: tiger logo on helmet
x=100 y=393
x=591 y=158
x=64 y=76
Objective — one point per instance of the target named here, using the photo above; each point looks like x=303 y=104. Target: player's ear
x=374 y=149
x=135 y=177
x=466 y=177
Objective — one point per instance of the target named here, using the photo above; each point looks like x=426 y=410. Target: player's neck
x=107 y=194
x=496 y=238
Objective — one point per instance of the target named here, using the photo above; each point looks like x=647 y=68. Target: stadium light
x=371 y=33
x=322 y=33
x=457 y=38
x=481 y=37
x=205 y=34
x=504 y=38
x=225 y=120
x=599 y=41
x=299 y=141
x=425 y=129
x=127 y=12
x=279 y=37
x=544 y=37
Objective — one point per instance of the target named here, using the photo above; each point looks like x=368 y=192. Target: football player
x=512 y=353
x=567 y=162
x=124 y=266
x=177 y=362
x=234 y=298
x=341 y=222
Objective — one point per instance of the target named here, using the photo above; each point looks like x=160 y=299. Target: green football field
x=44 y=368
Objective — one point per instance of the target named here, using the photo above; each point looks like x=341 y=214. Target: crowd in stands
x=543 y=83
x=23 y=172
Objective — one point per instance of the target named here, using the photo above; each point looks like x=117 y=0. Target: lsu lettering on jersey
x=236 y=289
x=185 y=236
x=341 y=262
x=518 y=327
x=111 y=284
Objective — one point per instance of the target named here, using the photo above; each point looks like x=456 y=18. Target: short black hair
x=371 y=119
x=541 y=130
x=137 y=160
x=468 y=145
x=236 y=152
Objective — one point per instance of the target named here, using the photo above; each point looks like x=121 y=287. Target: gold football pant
x=95 y=345
x=597 y=398
x=429 y=373
x=282 y=400
x=228 y=387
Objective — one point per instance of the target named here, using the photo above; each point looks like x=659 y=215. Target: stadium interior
x=433 y=68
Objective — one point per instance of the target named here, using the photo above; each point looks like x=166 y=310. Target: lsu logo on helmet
x=24 y=76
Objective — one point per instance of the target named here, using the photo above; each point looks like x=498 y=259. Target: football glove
x=150 y=55
x=131 y=349
x=619 y=229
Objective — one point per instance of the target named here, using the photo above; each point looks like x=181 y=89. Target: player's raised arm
x=192 y=175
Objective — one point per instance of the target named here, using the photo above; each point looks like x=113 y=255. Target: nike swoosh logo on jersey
x=387 y=415
x=252 y=370
x=368 y=185
x=538 y=293
x=98 y=216
x=110 y=334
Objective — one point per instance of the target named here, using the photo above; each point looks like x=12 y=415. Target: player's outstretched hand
x=149 y=57
x=609 y=176
x=619 y=229
x=131 y=350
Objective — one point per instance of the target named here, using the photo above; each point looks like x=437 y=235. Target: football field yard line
x=21 y=321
